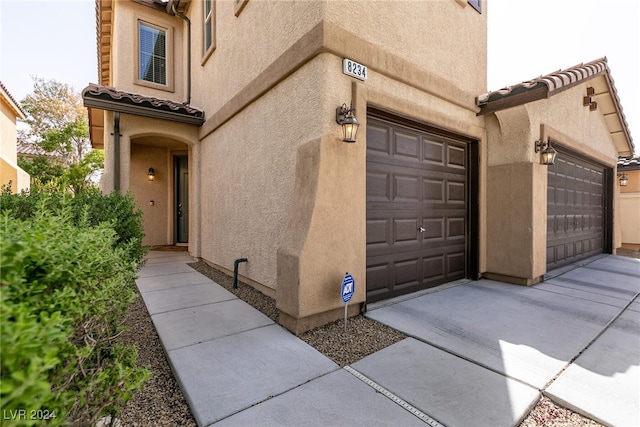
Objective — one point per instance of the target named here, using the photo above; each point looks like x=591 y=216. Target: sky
x=54 y=39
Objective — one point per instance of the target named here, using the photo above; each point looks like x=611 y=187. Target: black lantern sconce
x=345 y=118
x=547 y=153
x=151 y=174
x=624 y=180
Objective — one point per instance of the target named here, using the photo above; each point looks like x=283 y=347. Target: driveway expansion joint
x=598 y=335
x=396 y=399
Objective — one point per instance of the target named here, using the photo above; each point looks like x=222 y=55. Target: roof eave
x=554 y=83
x=111 y=105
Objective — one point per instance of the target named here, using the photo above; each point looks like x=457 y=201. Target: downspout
x=178 y=14
x=116 y=150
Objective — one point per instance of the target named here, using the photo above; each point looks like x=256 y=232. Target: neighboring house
x=29 y=150
x=10 y=172
x=629 y=170
x=220 y=117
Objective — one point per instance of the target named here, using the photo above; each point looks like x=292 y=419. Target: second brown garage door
x=416 y=209
x=575 y=210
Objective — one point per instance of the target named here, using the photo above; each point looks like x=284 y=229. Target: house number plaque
x=354 y=69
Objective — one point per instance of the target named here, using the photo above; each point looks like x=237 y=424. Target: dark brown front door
x=182 y=198
x=416 y=209
x=575 y=210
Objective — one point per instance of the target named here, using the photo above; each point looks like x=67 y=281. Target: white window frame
x=211 y=31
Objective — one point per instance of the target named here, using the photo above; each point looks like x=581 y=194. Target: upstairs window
x=208 y=30
x=152 y=56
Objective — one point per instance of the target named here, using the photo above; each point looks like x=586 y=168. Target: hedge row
x=67 y=274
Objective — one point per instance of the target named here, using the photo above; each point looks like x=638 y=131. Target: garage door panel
x=455 y=229
x=456 y=193
x=456 y=157
x=406 y=145
x=433 y=267
x=377 y=139
x=407 y=272
x=405 y=230
x=456 y=263
x=406 y=187
x=378 y=278
x=433 y=190
x=424 y=181
x=378 y=188
x=434 y=229
x=434 y=153
x=378 y=231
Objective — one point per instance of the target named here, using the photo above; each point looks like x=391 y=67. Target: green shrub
x=89 y=206
x=66 y=280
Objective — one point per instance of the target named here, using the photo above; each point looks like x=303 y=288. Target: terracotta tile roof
x=629 y=163
x=12 y=102
x=26 y=149
x=108 y=98
x=546 y=86
x=551 y=83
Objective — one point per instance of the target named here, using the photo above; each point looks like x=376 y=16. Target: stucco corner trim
x=292 y=244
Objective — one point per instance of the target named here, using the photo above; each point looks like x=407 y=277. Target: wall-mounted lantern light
x=151 y=174
x=624 y=180
x=548 y=154
x=344 y=117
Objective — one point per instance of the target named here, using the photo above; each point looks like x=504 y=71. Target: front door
x=181 y=168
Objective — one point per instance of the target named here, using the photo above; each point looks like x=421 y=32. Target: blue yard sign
x=348 y=288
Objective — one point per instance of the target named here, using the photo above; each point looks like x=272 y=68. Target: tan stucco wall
x=8 y=174
x=630 y=218
x=7 y=132
x=125 y=50
x=262 y=202
x=423 y=33
x=633 y=186
x=629 y=206
x=248 y=171
x=156 y=218
x=9 y=169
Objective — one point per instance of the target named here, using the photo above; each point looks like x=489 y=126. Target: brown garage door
x=575 y=210
x=416 y=209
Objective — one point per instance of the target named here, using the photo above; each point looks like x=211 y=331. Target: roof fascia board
x=12 y=103
x=515 y=100
x=613 y=93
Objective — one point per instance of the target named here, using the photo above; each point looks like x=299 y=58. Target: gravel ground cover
x=161 y=402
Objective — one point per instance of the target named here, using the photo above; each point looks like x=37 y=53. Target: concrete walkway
x=479 y=353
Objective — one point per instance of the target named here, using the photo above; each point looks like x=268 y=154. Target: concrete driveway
x=481 y=352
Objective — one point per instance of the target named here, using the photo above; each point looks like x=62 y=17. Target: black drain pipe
x=116 y=150
x=182 y=16
x=235 y=271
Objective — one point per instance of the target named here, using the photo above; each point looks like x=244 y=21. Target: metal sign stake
x=345 y=317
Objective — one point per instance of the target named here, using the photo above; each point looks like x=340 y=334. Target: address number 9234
x=354 y=69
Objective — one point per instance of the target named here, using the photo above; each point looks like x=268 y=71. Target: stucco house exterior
x=629 y=174
x=220 y=116
x=10 y=172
